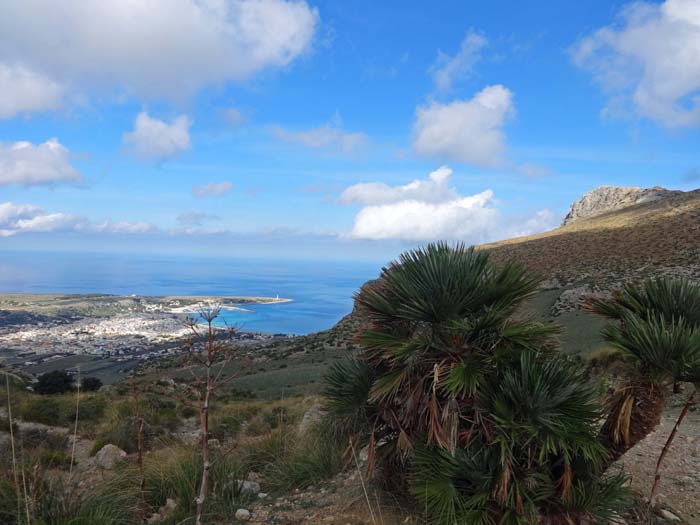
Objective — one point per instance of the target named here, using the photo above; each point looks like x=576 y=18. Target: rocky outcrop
x=610 y=198
x=108 y=456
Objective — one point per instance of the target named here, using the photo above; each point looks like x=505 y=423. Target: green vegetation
x=90 y=384
x=656 y=326
x=469 y=408
x=60 y=410
x=56 y=382
x=458 y=398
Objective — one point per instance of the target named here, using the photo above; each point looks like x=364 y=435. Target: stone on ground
x=108 y=456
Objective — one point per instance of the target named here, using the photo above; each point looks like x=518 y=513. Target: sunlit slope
x=640 y=240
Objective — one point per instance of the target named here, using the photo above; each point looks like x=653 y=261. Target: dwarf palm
x=471 y=408
x=657 y=326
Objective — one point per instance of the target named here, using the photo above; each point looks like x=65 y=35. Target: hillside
x=653 y=236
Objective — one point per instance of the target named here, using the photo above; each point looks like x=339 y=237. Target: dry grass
x=644 y=237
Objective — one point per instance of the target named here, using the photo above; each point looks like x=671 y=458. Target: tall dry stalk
x=362 y=481
x=15 y=476
x=139 y=421
x=667 y=446
x=75 y=427
x=204 y=386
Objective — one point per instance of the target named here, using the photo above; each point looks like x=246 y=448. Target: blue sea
x=321 y=291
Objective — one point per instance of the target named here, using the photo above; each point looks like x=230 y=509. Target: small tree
x=90 y=384
x=56 y=382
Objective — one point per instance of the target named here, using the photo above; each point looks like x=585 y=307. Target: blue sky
x=274 y=127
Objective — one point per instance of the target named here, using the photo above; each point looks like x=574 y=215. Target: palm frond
x=348 y=383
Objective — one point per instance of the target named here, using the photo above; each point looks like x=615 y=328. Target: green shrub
x=53 y=459
x=34 y=438
x=175 y=473
x=122 y=433
x=97 y=446
x=60 y=410
x=187 y=412
x=288 y=463
x=470 y=409
x=47 y=411
x=90 y=384
x=92 y=409
x=223 y=426
x=5 y=425
x=56 y=382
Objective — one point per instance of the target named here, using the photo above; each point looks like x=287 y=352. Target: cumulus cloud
x=212 y=189
x=449 y=69
x=649 y=61
x=156 y=139
x=435 y=189
x=432 y=209
x=28 y=164
x=193 y=218
x=17 y=218
x=27 y=218
x=465 y=130
x=159 y=48
x=542 y=220
x=327 y=136
x=25 y=91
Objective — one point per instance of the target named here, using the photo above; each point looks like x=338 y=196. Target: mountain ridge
x=657 y=232
x=605 y=199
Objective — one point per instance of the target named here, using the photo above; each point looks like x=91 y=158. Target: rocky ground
x=680 y=482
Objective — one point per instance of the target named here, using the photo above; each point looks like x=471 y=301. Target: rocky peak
x=609 y=198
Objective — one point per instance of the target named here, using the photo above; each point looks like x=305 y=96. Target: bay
x=321 y=291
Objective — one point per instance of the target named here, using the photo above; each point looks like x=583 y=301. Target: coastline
x=106 y=333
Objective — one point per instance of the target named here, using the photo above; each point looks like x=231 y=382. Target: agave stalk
x=12 y=446
x=667 y=446
x=204 y=417
x=139 y=423
x=204 y=386
x=75 y=427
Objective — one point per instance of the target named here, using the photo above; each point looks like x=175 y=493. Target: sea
x=321 y=291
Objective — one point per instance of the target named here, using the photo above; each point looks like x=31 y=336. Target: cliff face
x=610 y=198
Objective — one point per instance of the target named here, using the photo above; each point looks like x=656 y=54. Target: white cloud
x=25 y=91
x=327 y=136
x=435 y=189
x=465 y=130
x=124 y=227
x=27 y=218
x=159 y=48
x=212 y=189
x=649 y=61
x=448 y=69
x=542 y=220
x=17 y=218
x=193 y=218
x=156 y=139
x=431 y=209
x=27 y=164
